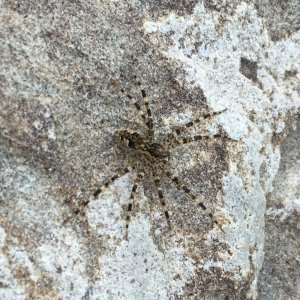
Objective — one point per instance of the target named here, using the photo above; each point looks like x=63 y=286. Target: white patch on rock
x=134 y=269
x=2 y=237
x=255 y=110
x=58 y=256
x=51 y=133
x=9 y=286
x=280 y=126
x=177 y=119
x=246 y=211
x=105 y=214
x=235 y=123
x=20 y=257
x=289 y=207
x=137 y=269
x=63 y=261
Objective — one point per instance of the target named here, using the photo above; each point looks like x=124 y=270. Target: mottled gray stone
x=280 y=275
x=63 y=65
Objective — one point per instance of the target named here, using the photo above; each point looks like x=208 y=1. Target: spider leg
x=111 y=180
x=195 y=138
x=137 y=105
x=98 y=192
x=131 y=201
x=172 y=137
x=183 y=187
x=149 y=119
x=162 y=198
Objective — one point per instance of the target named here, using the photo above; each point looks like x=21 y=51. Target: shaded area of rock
x=280 y=275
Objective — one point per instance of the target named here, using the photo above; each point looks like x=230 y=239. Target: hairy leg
x=183 y=187
x=161 y=197
x=131 y=201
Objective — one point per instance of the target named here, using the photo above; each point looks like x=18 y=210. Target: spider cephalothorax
x=134 y=140
x=154 y=157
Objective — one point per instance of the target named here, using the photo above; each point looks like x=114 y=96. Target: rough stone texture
x=63 y=64
x=281 y=266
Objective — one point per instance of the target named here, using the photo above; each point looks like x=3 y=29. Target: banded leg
x=186 y=140
x=179 y=130
x=197 y=201
x=147 y=117
x=137 y=105
x=162 y=198
x=81 y=208
x=103 y=187
x=131 y=201
x=110 y=181
x=149 y=121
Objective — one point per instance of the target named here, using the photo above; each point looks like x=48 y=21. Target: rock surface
x=63 y=67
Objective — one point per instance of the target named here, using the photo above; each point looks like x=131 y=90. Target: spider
x=153 y=152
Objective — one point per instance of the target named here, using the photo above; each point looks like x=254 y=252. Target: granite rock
x=64 y=65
